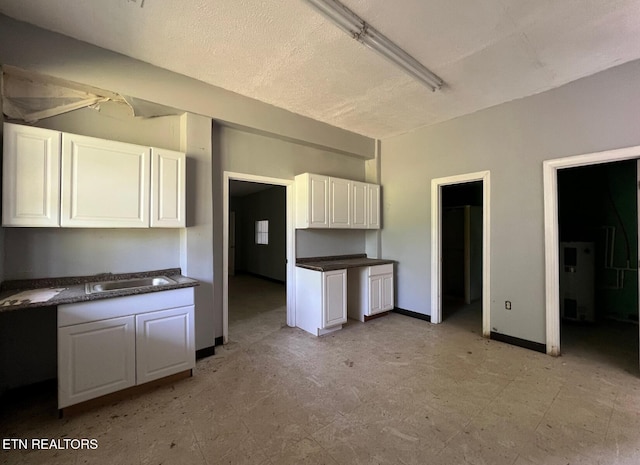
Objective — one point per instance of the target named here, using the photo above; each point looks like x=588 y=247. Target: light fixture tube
x=357 y=28
x=381 y=44
x=339 y=15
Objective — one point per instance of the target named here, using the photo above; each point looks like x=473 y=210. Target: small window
x=262 y=232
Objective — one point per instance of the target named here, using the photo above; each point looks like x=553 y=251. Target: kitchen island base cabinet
x=370 y=291
x=108 y=345
x=321 y=300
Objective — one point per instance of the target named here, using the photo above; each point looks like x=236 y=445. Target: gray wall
x=46 y=252
x=244 y=151
x=268 y=260
x=276 y=142
x=597 y=113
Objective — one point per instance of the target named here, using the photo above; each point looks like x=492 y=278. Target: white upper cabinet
x=373 y=206
x=168 y=176
x=339 y=203
x=359 y=205
x=53 y=178
x=312 y=201
x=104 y=183
x=31 y=171
x=328 y=202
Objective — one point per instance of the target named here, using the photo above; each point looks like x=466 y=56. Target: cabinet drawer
x=380 y=269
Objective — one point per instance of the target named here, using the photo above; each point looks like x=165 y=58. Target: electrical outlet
x=507 y=304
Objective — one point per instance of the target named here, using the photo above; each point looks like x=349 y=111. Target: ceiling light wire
x=367 y=35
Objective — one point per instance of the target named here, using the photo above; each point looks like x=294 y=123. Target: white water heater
x=577 y=281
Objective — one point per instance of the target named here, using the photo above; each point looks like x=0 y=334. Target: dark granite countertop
x=339 y=262
x=73 y=288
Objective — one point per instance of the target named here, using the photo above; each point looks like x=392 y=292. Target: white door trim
x=436 y=244
x=289 y=184
x=551 y=236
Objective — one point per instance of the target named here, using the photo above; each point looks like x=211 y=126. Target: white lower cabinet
x=164 y=343
x=108 y=345
x=95 y=359
x=370 y=291
x=321 y=300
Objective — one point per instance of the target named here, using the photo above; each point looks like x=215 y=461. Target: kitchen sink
x=137 y=283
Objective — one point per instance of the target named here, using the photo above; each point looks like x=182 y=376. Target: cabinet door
x=373 y=207
x=31 y=176
x=359 y=201
x=318 y=201
x=95 y=359
x=104 y=183
x=164 y=343
x=375 y=294
x=334 y=298
x=339 y=203
x=387 y=292
x=167 y=189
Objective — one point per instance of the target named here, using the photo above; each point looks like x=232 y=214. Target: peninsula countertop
x=340 y=262
x=68 y=290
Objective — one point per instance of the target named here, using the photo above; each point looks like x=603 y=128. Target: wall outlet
x=507 y=304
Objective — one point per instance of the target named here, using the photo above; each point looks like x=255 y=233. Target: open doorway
x=257 y=260
x=461 y=284
x=550 y=169
x=598 y=282
x=481 y=256
x=265 y=258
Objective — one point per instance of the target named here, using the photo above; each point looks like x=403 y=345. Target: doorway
x=598 y=283
x=267 y=248
x=462 y=272
x=550 y=170
x=462 y=255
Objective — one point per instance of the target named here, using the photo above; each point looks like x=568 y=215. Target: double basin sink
x=135 y=283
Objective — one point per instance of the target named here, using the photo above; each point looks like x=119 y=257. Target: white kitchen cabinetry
x=52 y=178
x=164 y=343
x=111 y=344
x=31 y=168
x=321 y=300
x=95 y=359
x=104 y=183
x=168 y=176
x=370 y=291
x=328 y=202
x=373 y=206
x=312 y=201
x=340 y=203
x=359 y=205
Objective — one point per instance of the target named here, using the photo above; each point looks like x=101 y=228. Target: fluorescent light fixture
x=366 y=34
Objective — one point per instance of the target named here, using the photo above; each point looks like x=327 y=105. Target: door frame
x=436 y=244
x=290 y=247
x=551 y=234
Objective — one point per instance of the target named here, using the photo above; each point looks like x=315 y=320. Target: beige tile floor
x=395 y=390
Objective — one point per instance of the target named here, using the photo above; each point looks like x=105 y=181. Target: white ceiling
x=284 y=53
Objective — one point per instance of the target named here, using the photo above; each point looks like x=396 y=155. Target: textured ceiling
x=284 y=53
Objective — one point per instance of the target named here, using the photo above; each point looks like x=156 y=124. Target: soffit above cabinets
x=284 y=53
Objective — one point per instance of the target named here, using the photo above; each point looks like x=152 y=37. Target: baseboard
x=206 y=352
x=419 y=316
x=516 y=341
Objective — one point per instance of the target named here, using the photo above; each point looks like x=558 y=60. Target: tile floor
x=395 y=390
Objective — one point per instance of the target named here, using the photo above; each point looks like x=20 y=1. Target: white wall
x=511 y=140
